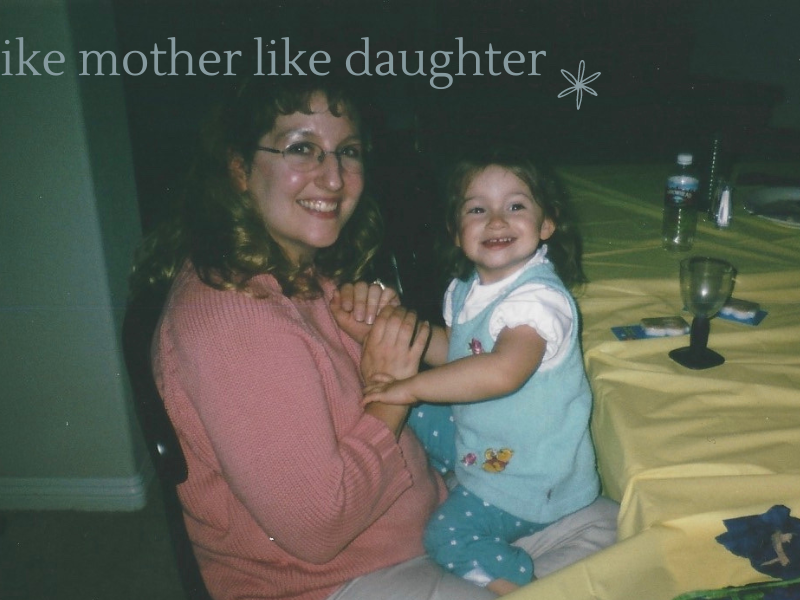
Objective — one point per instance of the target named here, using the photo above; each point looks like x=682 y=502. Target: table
x=681 y=449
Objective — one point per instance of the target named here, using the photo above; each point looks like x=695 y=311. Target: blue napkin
x=770 y=541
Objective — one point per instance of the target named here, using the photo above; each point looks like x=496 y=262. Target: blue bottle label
x=681 y=190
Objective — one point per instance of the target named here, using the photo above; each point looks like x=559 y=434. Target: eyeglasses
x=307 y=156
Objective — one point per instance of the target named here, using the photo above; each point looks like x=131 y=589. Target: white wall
x=68 y=227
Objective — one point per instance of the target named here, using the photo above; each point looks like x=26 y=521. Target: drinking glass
x=706 y=284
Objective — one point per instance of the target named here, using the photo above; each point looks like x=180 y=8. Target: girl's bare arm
x=436 y=353
x=516 y=355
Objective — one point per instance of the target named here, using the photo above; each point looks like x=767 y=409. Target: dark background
x=654 y=100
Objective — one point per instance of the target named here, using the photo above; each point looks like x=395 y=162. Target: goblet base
x=696 y=359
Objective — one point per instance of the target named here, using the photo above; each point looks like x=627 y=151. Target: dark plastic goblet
x=706 y=284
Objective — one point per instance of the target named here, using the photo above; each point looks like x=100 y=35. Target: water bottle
x=680 y=209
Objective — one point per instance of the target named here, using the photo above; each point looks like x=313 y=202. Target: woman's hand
x=394 y=345
x=356 y=305
x=392 y=350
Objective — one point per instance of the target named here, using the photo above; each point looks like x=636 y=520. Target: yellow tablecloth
x=681 y=449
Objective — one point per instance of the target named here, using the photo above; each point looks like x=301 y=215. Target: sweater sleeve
x=280 y=406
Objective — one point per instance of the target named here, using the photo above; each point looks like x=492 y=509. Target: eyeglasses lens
x=312 y=156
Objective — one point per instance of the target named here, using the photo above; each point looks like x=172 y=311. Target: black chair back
x=141 y=319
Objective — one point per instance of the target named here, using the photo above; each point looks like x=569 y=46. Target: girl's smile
x=498 y=242
x=501 y=224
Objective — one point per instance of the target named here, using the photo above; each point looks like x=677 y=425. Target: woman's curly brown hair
x=221 y=230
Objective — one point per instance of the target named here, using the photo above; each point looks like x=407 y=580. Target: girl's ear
x=457 y=238
x=547 y=229
x=454 y=235
x=238 y=172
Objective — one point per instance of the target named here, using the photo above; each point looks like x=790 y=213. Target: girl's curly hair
x=564 y=244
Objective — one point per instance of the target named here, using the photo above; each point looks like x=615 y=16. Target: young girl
x=509 y=369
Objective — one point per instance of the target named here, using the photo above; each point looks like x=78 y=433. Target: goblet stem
x=697 y=355
x=698 y=338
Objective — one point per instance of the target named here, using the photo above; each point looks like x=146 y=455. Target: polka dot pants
x=472 y=538
x=435 y=427
x=468 y=536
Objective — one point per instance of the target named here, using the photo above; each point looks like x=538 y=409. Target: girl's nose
x=497 y=219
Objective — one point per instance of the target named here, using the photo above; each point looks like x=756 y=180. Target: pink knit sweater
x=292 y=489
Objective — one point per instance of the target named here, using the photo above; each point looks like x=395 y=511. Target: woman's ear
x=238 y=172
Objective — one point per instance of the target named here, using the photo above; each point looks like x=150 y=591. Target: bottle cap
x=685 y=159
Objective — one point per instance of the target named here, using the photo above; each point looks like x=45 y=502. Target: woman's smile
x=324 y=208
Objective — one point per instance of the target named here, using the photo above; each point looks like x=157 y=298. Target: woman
x=295 y=490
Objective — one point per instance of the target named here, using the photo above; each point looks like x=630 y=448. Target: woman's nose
x=330 y=172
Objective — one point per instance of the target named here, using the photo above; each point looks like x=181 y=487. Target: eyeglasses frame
x=320 y=160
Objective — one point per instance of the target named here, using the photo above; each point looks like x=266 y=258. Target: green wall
x=68 y=228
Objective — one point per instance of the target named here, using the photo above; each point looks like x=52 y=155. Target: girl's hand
x=395 y=392
x=378 y=378
x=394 y=345
x=356 y=305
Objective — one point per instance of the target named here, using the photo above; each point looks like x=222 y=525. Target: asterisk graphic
x=578 y=84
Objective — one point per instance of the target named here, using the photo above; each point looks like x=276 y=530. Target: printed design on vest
x=469 y=459
x=497 y=460
x=475 y=346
